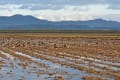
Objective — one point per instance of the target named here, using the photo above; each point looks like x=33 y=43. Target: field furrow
x=35 y=57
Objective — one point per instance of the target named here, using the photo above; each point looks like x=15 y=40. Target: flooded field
x=59 y=57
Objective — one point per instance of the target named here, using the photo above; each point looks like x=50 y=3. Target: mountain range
x=28 y=22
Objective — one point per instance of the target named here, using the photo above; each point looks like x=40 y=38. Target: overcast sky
x=56 y=10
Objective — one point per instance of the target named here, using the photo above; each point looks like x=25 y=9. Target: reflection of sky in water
x=29 y=73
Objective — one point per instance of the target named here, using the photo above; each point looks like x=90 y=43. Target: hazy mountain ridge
x=29 y=22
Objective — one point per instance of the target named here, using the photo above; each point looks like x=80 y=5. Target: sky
x=57 y=10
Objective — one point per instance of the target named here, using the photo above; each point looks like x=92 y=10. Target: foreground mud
x=39 y=57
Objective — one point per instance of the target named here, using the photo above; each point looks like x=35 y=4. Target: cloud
x=40 y=7
x=114 y=4
x=58 y=4
x=114 y=7
x=114 y=17
x=65 y=17
x=63 y=9
x=9 y=7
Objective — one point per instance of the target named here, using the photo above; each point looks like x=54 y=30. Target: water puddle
x=54 y=70
x=35 y=72
x=65 y=71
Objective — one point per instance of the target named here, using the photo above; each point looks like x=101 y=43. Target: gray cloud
x=114 y=17
x=58 y=4
x=114 y=4
x=41 y=6
x=115 y=7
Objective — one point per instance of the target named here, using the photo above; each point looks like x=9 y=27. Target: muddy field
x=59 y=57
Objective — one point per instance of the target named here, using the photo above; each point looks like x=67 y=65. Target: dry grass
x=58 y=78
x=91 y=78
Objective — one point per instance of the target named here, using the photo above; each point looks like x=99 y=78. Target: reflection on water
x=16 y=69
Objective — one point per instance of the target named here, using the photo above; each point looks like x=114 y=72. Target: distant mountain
x=20 y=22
